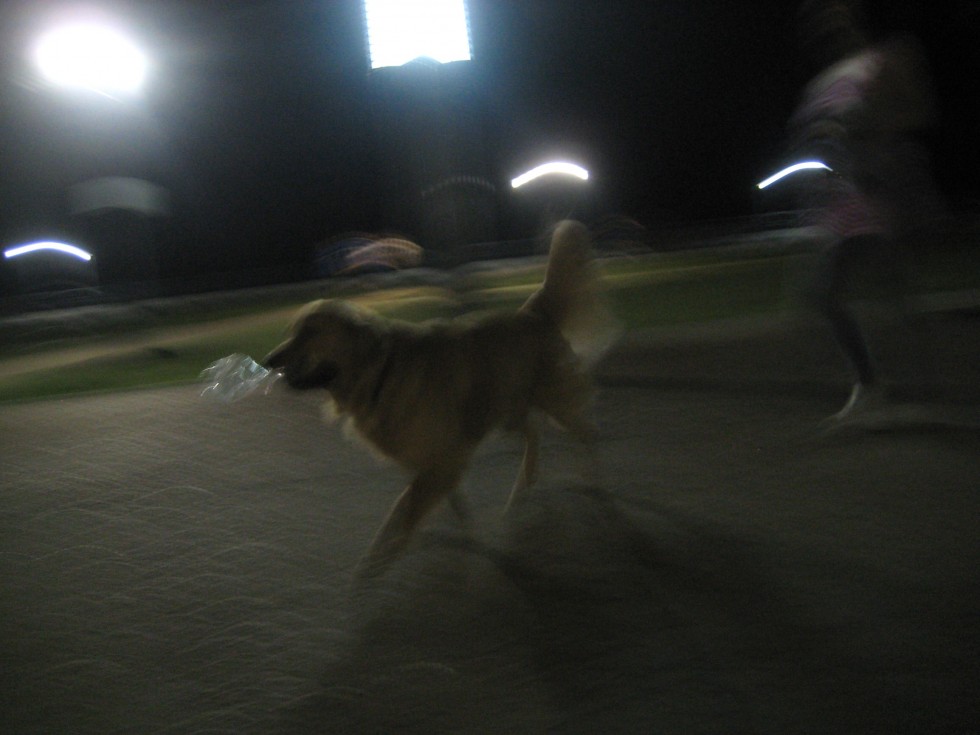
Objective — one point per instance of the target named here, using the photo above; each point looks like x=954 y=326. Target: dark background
x=264 y=123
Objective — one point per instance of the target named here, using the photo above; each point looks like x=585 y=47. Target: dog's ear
x=306 y=323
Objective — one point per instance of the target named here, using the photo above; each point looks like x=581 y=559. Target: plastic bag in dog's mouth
x=233 y=377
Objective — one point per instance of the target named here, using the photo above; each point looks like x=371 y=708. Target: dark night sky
x=261 y=119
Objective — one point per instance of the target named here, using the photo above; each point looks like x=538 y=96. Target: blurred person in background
x=864 y=115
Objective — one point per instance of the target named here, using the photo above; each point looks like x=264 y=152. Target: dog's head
x=323 y=341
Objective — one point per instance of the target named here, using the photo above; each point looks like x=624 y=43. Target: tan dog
x=426 y=395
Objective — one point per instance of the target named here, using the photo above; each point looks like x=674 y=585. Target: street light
x=94 y=55
x=91 y=56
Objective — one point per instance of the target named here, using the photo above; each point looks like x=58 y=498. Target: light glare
x=400 y=31
x=47 y=245
x=91 y=57
x=555 y=167
x=804 y=165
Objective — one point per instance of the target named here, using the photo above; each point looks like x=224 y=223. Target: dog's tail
x=571 y=295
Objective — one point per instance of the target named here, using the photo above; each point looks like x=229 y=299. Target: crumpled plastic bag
x=233 y=377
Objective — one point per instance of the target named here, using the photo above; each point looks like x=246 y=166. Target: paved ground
x=170 y=565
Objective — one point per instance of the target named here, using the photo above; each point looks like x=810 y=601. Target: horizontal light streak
x=802 y=166
x=554 y=167
x=60 y=247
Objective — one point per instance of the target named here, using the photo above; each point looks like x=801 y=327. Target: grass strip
x=643 y=292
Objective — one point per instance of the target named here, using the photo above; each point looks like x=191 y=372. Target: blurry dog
x=426 y=395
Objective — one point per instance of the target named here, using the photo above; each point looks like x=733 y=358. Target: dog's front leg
x=415 y=502
x=461 y=507
x=528 y=472
x=586 y=434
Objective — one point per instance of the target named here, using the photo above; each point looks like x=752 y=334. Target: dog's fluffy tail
x=571 y=295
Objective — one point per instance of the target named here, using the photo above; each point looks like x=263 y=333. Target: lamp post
x=99 y=71
x=431 y=125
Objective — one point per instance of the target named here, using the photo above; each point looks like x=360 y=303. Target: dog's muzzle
x=321 y=377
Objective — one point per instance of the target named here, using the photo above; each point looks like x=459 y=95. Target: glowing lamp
x=90 y=57
x=400 y=31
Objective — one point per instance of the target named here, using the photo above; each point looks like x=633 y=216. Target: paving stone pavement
x=171 y=565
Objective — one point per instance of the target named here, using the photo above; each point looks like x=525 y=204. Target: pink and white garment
x=839 y=120
x=861 y=116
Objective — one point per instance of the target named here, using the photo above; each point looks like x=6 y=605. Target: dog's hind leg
x=425 y=491
x=461 y=507
x=528 y=472
x=589 y=468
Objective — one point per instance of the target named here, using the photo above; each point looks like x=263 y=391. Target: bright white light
x=47 y=245
x=91 y=57
x=402 y=30
x=792 y=170
x=555 y=167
